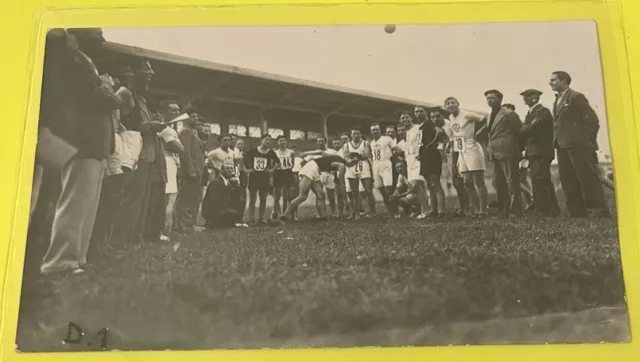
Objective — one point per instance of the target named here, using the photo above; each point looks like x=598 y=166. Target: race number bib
x=459 y=144
x=377 y=154
x=286 y=162
x=358 y=167
x=228 y=160
x=259 y=163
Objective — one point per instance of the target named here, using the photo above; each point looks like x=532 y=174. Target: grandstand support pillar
x=264 y=124
x=325 y=127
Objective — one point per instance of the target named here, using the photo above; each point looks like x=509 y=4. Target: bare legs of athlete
x=420 y=190
x=306 y=185
x=436 y=194
x=343 y=203
x=331 y=194
x=262 y=209
x=463 y=196
x=386 y=192
x=280 y=193
x=356 y=201
x=474 y=182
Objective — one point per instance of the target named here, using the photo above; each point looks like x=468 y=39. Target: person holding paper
x=141 y=214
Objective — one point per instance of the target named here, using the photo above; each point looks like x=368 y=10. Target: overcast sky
x=420 y=62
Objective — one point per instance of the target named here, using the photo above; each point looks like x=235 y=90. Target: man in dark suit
x=575 y=128
x=504 y=150
x=223 y=206
x=191 y=170
x=537 y=141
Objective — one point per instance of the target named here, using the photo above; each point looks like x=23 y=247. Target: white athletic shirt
x=463 y=125
x=413 y=141
x=286 y=159
x=219 y=157
x=352 y=149
x=402 y=145
x=382 y=149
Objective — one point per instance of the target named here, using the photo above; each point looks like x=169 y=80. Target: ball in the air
x=390 y=28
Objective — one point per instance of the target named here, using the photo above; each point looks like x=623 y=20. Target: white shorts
x=328 y=180
x=382 y=173
x=361 y=171
x=472 y=159
x=172 y=176
x=311 y=171
x=413 y=169
x=131 y=147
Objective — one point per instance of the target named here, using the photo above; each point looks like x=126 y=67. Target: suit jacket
x=75 y=105
x=575 y=123
x=220 y=198
x=192 y=160
x=504 y=135
x=537 y=139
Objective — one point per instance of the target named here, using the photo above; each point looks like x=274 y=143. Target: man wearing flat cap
x=537 y=142
x=575 y=129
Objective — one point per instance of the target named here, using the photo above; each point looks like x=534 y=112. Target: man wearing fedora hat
x=537 y=142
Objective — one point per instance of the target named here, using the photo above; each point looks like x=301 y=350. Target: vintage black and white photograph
x=200 y=188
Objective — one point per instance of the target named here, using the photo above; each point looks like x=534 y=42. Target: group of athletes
x=405 y=169
x=405 y=163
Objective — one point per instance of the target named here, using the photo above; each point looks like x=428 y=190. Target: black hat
x=531 y=92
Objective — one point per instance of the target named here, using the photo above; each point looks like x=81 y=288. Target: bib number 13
x=458 y=144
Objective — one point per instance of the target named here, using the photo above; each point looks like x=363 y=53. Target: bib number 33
x=260 y=164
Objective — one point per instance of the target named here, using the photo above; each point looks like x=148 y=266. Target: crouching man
x=404 y=198
x=223 y=205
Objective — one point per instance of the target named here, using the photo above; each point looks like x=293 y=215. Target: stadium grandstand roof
x=190 y=79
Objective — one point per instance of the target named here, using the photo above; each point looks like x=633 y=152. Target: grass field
x=375 y=282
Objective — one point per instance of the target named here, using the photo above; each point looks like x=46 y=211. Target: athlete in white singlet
x=457 y=182
x=382 y=148
x=283 y=179
x=360 y=172
x=222 y=155
x=468 y=154
x=411 y=149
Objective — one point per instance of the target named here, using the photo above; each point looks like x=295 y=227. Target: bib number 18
x=377 y=154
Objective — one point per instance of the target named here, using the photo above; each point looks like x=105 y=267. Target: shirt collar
x=560 y=94
x=534 y=107
x=226 y=182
